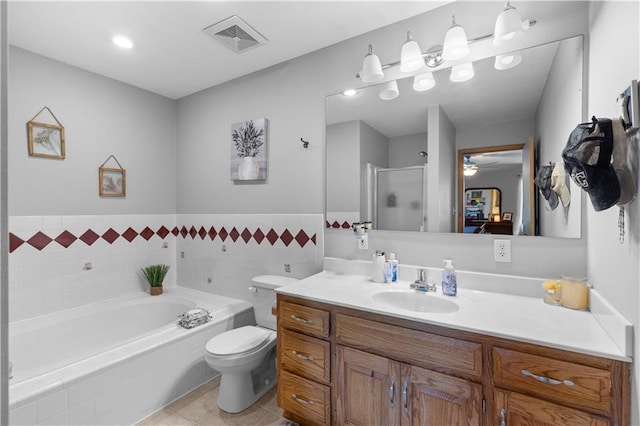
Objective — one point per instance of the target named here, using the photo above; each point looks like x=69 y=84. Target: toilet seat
x=239 y=341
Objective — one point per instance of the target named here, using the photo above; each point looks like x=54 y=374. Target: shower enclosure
x=396 y=198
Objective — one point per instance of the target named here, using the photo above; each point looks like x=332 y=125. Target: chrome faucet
x=421 y=284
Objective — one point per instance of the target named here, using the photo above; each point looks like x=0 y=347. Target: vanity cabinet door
x=432 y=398
x=368 y=389
x=512 y=408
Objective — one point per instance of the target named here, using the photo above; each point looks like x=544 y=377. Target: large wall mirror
x=400 y=163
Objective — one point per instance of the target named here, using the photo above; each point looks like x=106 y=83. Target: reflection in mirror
x=481 y=205
x=501 y=168
x=396 y=197
x=534 y=105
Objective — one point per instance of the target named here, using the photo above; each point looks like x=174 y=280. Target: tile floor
x=199 y=408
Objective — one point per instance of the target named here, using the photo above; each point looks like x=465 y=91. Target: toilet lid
x=239 y=340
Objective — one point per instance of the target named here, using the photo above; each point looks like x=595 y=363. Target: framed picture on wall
x=113 y=182
x=249 y=150
x=45 y=140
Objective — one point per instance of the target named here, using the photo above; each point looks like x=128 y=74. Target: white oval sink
x=417 y=301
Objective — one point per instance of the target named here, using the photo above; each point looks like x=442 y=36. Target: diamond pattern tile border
x=66 y=239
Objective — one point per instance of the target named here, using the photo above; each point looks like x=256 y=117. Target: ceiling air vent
x=235 y=34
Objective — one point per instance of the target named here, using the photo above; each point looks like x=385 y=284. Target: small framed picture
x=45 y=140
x=507 y=216
x=113 y=182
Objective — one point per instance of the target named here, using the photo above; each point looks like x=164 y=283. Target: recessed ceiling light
x=123 y=42
x=350 y=92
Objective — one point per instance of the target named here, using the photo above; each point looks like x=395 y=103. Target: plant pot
x=248 y=169
x=154 y=291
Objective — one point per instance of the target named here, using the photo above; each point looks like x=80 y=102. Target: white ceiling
x=172 y=55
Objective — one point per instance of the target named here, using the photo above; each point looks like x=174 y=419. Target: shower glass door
x=400 y=198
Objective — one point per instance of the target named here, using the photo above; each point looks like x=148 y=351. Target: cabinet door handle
x=302 y=401
x=302 y=320
x=405 y=397
x=303 y=356
x=392 y=392
x=547 y=380
x=503 y=417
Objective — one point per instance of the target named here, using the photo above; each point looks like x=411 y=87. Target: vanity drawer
x=551 y=378
x=304 y=319
x=305 y=356
x=439 y=353
x=304 y=399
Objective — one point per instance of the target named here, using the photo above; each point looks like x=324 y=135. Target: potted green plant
x=154 y=274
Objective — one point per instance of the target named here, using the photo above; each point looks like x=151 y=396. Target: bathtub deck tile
x=51 y=405
x=81 y=391
x=23 y=415
x=83 y=413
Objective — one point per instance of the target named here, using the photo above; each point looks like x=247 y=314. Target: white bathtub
x=113 y=362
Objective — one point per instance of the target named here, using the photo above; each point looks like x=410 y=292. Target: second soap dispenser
x=449 y=279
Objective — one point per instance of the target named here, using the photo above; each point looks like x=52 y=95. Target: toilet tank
x=264 y=297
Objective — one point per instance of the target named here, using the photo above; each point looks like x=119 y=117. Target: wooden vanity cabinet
x=303 y=357
x=341 y=366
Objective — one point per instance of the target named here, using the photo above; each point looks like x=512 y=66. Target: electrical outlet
x=502 y=250
x=363 y=242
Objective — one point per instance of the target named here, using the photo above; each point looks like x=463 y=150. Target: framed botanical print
x=45 y=139
x=113 y=182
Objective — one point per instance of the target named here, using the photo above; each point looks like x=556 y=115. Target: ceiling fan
x=470 y=167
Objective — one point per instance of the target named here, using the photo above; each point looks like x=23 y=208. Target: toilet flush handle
x=252 y=289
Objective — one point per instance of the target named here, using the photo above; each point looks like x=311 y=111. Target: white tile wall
x=54 y=278
x=229 y=266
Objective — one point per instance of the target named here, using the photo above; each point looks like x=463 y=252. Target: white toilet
x=246 y=356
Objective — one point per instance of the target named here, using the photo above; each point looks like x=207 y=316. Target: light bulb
x=455 y=42
x=424 y=81
x=462 y=72
x=411 y=55
x=371 y=68
x=508 y=26
x=389 y=90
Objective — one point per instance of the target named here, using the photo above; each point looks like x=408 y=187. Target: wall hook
x=305 y=144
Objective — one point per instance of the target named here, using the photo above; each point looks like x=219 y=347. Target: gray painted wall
x=101 y=117
x=614 y=267
x=403 y=150
x=343 y=183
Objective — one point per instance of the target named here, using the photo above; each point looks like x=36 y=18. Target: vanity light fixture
x=455 y=45
x=123 y=42
x=507 y=61
x=411 y=55
x=462 y=72
x=509 y=26
x=371 y=67
x=424 y=81
x=389 y=90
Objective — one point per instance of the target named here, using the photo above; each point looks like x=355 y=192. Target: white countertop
x=525 y=319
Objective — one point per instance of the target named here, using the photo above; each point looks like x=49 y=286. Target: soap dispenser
x=377 y=267
x=449 y=279
x=391 y=269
